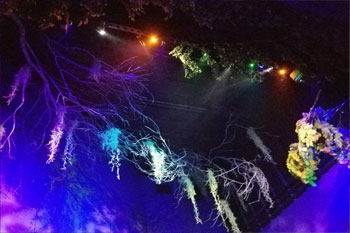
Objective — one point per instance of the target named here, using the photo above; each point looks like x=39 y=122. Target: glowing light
x=251 y=65
x=282 y=72
x=102 y=32
x=296 y=75
x=153 y=39
x=205 y=54
x=268 y=69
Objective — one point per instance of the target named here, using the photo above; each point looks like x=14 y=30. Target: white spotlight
x=266 y=70
x=102 y=32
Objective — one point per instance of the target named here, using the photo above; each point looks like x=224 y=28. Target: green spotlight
x=251 y=65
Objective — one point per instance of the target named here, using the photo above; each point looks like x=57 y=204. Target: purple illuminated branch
x=56 y=134
x=74 y=91
x=21 y=78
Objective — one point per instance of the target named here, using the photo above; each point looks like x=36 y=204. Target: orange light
x=153 y=39
x=282 y=71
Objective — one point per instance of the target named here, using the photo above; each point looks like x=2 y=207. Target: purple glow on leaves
x=21 y=78
x=56 y=135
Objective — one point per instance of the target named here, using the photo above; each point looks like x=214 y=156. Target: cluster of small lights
x=261 y=68
x=284 y=72
x=295 y=75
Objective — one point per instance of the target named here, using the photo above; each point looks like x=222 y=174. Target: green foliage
x=224 y=61
x=315 y=135
x=191 y=193
x=222 y=206
x=229 y=216
x=300 y=167
x=158 y=158
x=190 y=66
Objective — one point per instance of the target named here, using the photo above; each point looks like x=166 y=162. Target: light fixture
x=296 y=75
x=282 y=72
x=102 y=32
x=267 y=70
x=153 y=39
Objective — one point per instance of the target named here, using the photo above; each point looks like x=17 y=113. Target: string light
x=251 y=65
